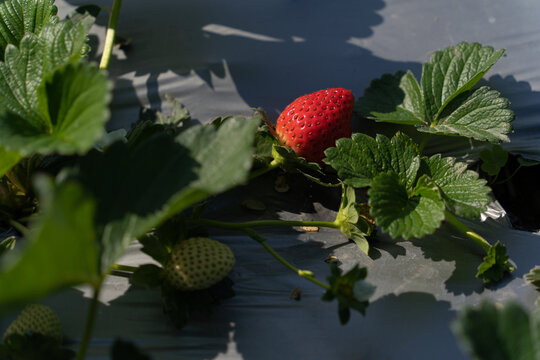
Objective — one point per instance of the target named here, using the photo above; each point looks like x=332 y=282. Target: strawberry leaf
x=8 y=159
x=493 y=332
x=463 y=193
x=453 y=71
x=495 y=264
x=59 y=251
x=480 y=114
x=68 y=117
x=533 y=277
x=404 y=212
x=21 y=17
x=493 y=159
x=361 y=158
x=393 y=98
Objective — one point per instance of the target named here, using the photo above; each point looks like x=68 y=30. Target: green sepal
x=148 y=275
x=353 y=223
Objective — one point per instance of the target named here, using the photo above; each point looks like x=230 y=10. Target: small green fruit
x=198 y=263
x=36 y=318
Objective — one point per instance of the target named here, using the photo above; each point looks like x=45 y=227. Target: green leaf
x=453 y=71
x=492 y=332
x=350 y=289
x=481 y=114
x=178 y=116
x=533 y=277
x=495 y=264
x=69 y=116
x=140 y=187
x=403 y=213
x=60 y=250
x=493 y=159
x=393 y=98
x=20 y=17
x=154 y=247
x=361 y=158
x=148 y=275
x=8 y=159
x=463 y=192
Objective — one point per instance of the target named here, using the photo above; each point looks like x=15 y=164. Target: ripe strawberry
x=36 y=318
x=312 y=123
x=198 y=263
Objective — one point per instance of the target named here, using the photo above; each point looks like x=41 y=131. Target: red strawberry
x=312 y=123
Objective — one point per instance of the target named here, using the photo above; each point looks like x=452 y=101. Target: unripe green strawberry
x=312 y=123
x=36 y=318
x=198 y=263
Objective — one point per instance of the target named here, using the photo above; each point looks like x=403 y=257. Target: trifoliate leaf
x=495 y=264
x=533 y=277
x=462 y=191
x=69 y=116
x=404 y=213
x=21 y=17
x=491 y=332
x=60 y=249
x=453 y=71
x=493 y=159
x=481 y=114
x=360 y=158
x=393 y=98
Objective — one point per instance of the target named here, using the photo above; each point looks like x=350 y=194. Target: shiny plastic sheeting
x=224 y=57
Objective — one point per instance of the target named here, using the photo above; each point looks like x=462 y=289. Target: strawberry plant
x=78 y=196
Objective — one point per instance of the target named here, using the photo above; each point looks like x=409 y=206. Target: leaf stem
x=306 y=274
x=467 y=231
x=125 y=268
x=90 y=320
x=258 y=223
x=111 y=34
x=273 y=165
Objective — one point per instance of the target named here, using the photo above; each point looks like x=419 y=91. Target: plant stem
x=111 y=34
x=258 y=223
x=306 y=274
x=467 y=231
x=125 y=268
x=19 y=227
x=273 y=164
x=90 y=320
